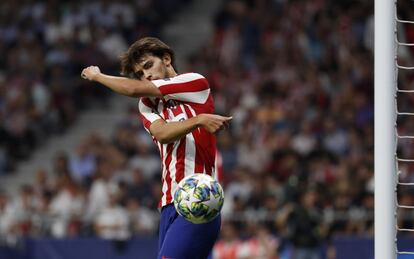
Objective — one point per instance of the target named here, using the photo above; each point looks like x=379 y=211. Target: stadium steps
x=99 y=120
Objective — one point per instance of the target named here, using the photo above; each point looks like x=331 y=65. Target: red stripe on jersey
x=191 y=86
x=187 y=111
x=161 y=147
x=170 y=148
x=180 y=165
x=147 y=102
x=146 y=122
x=177 y=110
x=157 y=101
x=205 y=155
x=165 y=112
x=209 y=169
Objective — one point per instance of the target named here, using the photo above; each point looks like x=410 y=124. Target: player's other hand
x=90 y=73
x=213 y=122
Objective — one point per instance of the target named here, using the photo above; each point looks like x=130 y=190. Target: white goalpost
x=385 y=119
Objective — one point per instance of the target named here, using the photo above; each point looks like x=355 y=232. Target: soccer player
x=177 y=110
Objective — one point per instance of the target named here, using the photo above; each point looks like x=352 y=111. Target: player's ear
x=166 y=59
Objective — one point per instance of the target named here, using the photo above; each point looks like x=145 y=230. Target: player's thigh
x=185 y=240
x=168 y=216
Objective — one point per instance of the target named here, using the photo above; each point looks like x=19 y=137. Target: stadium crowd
x=297 y=77
x=44 y=45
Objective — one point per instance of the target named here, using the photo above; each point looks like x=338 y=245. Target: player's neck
x=171 y=71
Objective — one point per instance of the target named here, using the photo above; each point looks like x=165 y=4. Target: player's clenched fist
x=90 y=72
x=212 y=122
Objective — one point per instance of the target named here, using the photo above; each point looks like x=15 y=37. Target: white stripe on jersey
x=161 y=109
x=147 y=112
x=195 y=97
x=193 y=113
x=190 y=151
x=179 y=79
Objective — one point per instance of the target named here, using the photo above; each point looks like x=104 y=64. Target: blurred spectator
x=139 y=189
x=66 y=210
x=146 y=162
x=143 y=220
x=42 y=183
x=18 y=214
x=82 y=165
x=99 y=194
x=6 y=230
x=112 y=222
x=305 y=227
x=61 y=165
x=228 y=245
x=261 y=245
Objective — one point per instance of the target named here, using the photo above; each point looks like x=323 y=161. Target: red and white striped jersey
x=184 y=96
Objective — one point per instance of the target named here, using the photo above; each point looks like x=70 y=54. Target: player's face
x=152 y=67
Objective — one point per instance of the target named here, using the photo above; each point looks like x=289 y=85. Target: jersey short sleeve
x=148 y=112
x=189 y=87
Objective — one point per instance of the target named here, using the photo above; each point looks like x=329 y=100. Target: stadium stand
x=297 y=77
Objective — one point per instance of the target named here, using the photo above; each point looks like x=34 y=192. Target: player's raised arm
x=169 y=132
x=121 y=85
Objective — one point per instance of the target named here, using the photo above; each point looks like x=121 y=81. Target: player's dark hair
x=147 y=45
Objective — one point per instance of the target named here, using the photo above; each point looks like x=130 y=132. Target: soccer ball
x=198 y=198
